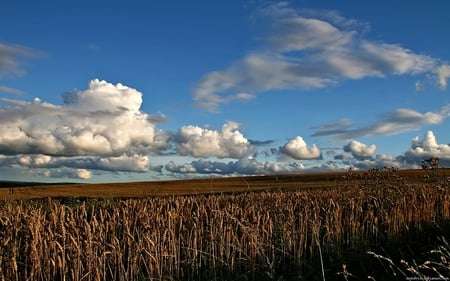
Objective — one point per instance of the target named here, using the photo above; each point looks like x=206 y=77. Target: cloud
x=359 y=156
x=77 y=174
x=9 y=90
x=443 y=73
x=332 y=128
x=396 y=122
x=226 y=143
x=185 y=168
x=104 y=96
x=256 y=72
x=42 y=166
x=135 y=163
x=244 y=166
x=83 y=174
x=11 y=63
x=132 y=163
x=364 y=158
x=103 y=120
x=101 y=127
x=427 y=147
x=34 y=160
x=261 y=143
x=11 y=57
x=379 y=161
x=307 y=50
x=359 y=150
x=156 y=167
x=297 y=149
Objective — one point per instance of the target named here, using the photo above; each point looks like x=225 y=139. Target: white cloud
x=185 y=168
x=386 y=160
x=299 y=150
x=104 y=96
x=102 y=120
x=301 y=33
x=226 y=143
x=396 y=122
x=364 y=158
x=101 y=127
x=127 y=163
x=135 y=163
x=244 y=96
x=443 y=73
x=83 y=174
x=34 y=160
x=244 y=166
x=360 y=150
x=64 y=172
x=427 y=147
x=257 y=73
x=419 y=150
x=250 y=166
x=307 y=51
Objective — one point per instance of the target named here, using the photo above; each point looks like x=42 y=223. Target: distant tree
x=431 y=163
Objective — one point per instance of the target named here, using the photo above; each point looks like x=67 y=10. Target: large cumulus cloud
x=297 y=148
x=102 y=120
x=427 y=147
x=103 y=124
x=229 y=142
x=360 y=150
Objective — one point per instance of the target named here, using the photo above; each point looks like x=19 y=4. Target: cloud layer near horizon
x=308 y=49
x=103 y=129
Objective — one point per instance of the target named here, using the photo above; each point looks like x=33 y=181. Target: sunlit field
x=375 y=225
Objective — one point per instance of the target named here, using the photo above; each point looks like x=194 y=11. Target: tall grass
x=247 y=236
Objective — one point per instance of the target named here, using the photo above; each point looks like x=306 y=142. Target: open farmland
x=302 y=227
x=204 y=186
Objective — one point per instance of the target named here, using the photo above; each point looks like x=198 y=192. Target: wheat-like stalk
x=257 y=235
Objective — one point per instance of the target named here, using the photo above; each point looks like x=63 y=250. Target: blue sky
x=144 y=90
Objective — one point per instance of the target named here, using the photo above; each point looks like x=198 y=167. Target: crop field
x=203 y=186
x=376 y=225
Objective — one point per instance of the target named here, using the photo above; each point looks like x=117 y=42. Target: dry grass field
x=202 y=186
x=375 y=225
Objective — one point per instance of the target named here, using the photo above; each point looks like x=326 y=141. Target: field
x=211 y=185
x=376 y=225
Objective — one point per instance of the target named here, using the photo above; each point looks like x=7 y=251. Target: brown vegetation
x=276 y=235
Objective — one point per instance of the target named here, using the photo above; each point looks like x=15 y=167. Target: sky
x=107 y=91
